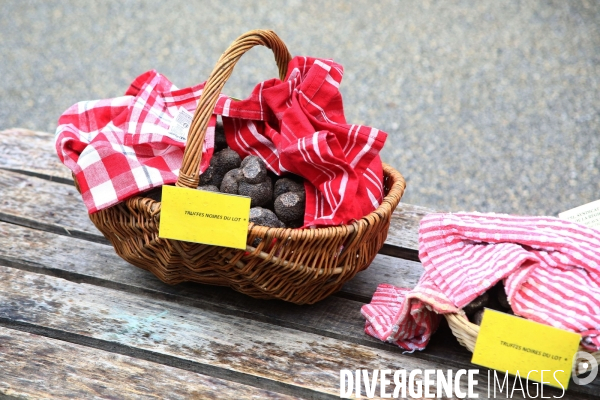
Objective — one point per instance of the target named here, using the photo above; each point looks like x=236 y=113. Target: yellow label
x=525 y=348
x=204 y=217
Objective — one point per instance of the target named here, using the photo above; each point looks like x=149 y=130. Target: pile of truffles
x=495 y=298
x=277 y=202
x=276 y=205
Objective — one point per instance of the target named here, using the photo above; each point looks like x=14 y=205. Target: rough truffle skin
x=254 y=169
x=264 y=217
x=284 y=185
x=231 y=181
x=245 y=182
x=206 y=177
x=290 y=206
x=220 y=163
x=260 y=193
x=290 y=201
x=209 y=188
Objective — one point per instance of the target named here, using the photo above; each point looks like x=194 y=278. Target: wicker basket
x=302 y=266
x=466 y=333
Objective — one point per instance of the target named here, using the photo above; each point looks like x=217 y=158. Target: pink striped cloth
x=550 y=268
x=120 y=147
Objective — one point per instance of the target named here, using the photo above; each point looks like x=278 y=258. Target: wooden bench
x=78 y=321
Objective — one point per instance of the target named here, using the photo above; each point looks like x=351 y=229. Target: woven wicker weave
x=466 y=333
x=298 y=265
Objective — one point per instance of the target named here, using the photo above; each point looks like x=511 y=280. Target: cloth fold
x=298 y=126
x=120 y=147
x=550 y=269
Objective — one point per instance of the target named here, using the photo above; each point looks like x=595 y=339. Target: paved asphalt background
x=489 y=105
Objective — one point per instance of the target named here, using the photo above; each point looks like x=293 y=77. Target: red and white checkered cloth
x=550 y=268
x=120 y=147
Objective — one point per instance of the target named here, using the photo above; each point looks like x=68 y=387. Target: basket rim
x=387 y=206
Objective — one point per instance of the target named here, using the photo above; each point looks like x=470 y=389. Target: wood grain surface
x=32 y=152
x=35 y=366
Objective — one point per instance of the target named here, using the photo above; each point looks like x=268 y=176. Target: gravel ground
x=489 y=105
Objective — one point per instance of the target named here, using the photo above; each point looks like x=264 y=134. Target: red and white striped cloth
x=550 y=268
x=120 y=147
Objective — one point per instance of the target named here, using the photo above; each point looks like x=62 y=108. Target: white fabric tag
x=587 y=214
x=180 y=126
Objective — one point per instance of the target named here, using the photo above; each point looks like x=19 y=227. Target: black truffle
x=231 y=181
x=206 y=177
x=220 y=163
x=209 y=188
x=284 y=185
x=477 y=304
x=220 y=142
x=261 y=193
x=245 y=182
x=254 y=170
x=290 y=206
x=264 y=217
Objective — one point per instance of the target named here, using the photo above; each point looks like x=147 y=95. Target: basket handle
x=189 y=174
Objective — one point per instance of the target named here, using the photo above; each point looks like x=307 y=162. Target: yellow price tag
x=204 y=217
x=525 y=348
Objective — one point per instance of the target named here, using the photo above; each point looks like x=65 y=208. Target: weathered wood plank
x=83 y=257
x=333 y=317
x=81 y=261
x=239 y=349
x=33 y=152
x=36 y=367
x=384 y=269
x=403 y=236
x=41 y=204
